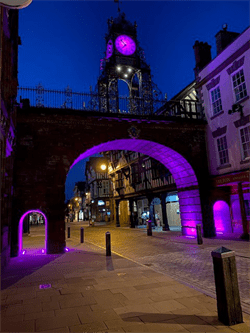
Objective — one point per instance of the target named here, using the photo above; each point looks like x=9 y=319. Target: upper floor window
x=216 y=100
x=245 y=141
x=239 y=85
x=223 y=150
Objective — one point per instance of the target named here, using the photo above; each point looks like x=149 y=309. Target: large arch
x=20 y=228
x=183 y=173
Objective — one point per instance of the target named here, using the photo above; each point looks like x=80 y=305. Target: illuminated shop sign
x=101 y=203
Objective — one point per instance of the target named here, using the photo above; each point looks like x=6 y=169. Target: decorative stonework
x=134 y=132
x=219 y=132
x=213 y=83
x=237 y=64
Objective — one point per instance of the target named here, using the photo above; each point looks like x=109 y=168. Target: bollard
x=108 y=245
x=199 y=236
x=227 y=290
x=149 y=228
x=68 y=232
x=82 y=235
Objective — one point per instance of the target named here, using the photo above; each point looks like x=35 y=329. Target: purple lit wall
x=189 y=200
x=222 y=219
x=20 y=228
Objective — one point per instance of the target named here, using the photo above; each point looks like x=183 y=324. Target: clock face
x=125 y=45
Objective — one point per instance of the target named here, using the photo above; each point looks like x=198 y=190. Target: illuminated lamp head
x=103 y=167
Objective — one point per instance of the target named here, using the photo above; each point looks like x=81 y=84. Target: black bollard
x=149 y=228
x=227 y=290
x=82 y=235
x=199 y=236
x=108 y=245
x=68 y=232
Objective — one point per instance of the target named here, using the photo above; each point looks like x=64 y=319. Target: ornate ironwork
x=39 y=95
x=100 y=100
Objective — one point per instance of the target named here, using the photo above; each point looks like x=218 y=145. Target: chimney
x=202 y=52
x=224 y=38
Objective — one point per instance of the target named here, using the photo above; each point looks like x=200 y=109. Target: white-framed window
x=216 y=100
x=223 y=150
x=245 y=142
x=239 y=85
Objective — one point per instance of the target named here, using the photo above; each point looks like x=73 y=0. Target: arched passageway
x=183 y=174
x=20 y=228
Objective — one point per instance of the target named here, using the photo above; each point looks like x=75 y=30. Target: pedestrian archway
x=180 y=168
x=20 y=229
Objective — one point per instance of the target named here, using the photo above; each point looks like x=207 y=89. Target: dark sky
x=63 y=41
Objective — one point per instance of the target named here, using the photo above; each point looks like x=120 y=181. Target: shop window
x=245 y=141
x=239 y=85
x=216 y=100
x=223 y=150
x=247 y=207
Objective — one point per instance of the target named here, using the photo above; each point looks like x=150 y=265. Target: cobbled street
x=172 y=254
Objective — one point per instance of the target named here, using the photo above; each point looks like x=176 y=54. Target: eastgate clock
x=125 y=45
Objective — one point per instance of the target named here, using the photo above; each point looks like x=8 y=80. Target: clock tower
x=124 y=60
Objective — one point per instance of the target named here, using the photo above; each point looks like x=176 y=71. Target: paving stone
x=36 y=315
x=161 y=327
x=52 y=305
x=113 y=324
x=52 y=323
x=18 y=326
x=13 y=310
x=169 y=305
x=99 y=313
x=92 y=327
x=74 y=310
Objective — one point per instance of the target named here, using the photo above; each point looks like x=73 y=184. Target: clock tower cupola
x=124 y=60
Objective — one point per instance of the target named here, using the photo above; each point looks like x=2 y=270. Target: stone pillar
x=165 y=226
x=117 y=202
x=245 y=223
x=56 y=230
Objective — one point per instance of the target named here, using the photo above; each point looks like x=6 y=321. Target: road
x=172 y=254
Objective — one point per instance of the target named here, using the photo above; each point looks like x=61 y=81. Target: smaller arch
x=20 y=228
x=222 y=218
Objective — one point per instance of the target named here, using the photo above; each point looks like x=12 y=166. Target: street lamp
x=103 y=167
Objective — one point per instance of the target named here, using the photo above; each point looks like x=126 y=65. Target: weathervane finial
x=118 y=9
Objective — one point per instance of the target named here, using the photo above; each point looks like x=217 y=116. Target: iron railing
x=67 y=99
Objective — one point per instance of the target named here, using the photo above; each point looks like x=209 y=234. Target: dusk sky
x=63 y=41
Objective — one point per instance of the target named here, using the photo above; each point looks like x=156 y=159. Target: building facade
x=223 y=85
x=99 y=189
x=9 y=41
x=142 y=189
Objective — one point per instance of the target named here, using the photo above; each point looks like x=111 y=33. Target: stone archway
x=183 y=173
x=20 y=228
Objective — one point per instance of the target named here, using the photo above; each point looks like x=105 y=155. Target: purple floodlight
x=23 y=252
x=20 y=228
x=222 y=219
x=183 y=174
x=66 y=249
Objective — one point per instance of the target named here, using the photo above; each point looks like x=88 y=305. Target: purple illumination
x=20 y=228
x=183 y=174
x=45 y=286
x=66 y=249
x=125 y=45
x=222 y=219
x=43 y=251
x=23 y=252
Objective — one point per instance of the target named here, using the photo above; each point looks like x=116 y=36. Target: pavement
x=85 y=291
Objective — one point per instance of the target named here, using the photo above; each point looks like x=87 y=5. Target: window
x=222 y=149
x=216 y=100
x=245 y=141
x=239 y=85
